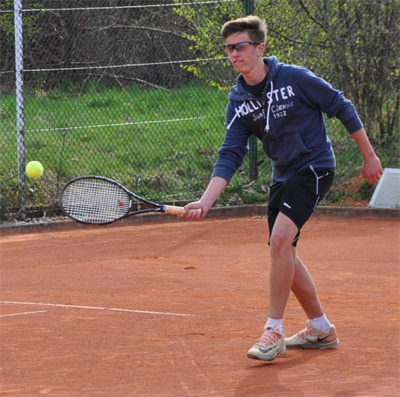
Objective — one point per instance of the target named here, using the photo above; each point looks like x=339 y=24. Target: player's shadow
x=263 y=378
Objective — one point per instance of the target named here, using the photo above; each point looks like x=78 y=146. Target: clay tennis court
x=170 y=309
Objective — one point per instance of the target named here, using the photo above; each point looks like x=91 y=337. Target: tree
x=359 y=54
x=353 y=44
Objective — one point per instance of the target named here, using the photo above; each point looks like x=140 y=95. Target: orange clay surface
x=170 y=309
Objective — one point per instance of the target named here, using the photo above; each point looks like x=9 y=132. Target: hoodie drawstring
x=238 y=111
x=269 y=106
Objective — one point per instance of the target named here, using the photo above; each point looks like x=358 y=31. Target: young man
x=283 y=106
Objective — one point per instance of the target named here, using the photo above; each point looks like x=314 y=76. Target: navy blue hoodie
x=287 y=119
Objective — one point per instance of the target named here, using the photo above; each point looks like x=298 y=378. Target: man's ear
x=261 y=48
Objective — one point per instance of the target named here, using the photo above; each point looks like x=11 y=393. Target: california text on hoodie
x=288 y=120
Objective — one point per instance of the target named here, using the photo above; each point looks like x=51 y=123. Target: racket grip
x=173 y=210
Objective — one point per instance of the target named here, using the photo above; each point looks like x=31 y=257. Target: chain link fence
x=103 y=87
x=120 y=88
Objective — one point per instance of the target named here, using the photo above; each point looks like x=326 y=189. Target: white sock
x=272 y=322
x=322 y=323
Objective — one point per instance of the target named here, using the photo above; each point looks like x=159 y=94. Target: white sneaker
x=312 y=338
x=270 y=344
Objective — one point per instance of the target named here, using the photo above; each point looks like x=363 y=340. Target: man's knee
x=284 y=232
x=281 y=238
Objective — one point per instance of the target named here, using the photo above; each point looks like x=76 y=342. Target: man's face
x=244 y=57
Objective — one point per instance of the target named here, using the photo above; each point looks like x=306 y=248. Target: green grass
x=160 y=143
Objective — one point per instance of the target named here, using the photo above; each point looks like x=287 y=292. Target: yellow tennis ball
x=34 y=169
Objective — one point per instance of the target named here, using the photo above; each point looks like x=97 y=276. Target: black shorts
x=299 y=196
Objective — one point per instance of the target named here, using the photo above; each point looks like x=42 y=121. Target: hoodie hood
x=239 y=94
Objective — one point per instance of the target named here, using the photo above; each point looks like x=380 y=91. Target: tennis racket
x=98 y=200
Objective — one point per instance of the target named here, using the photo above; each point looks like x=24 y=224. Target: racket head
x=95 y=200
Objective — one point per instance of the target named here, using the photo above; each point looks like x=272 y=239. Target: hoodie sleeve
x=319 y=93
x=234 y=147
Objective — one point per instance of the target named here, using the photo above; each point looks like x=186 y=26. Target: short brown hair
x=253 y=25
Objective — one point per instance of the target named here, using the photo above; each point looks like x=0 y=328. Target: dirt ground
x=170 y=310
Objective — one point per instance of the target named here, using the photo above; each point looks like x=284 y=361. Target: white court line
x=112 y=309
x=22 y=314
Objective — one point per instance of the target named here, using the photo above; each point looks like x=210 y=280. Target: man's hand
x=372 y=169
x=194 y=211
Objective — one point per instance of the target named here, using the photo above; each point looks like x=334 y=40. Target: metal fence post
x=249 y=10
x=19 y=91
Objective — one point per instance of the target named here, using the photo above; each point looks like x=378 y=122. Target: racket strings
x=95 y=201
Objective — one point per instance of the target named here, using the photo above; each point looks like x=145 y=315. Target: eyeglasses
x=239 y=47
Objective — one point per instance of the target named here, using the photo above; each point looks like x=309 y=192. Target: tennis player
x=283 y=106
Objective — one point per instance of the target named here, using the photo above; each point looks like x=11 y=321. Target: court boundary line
x=111 y=309
x=23 y=313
